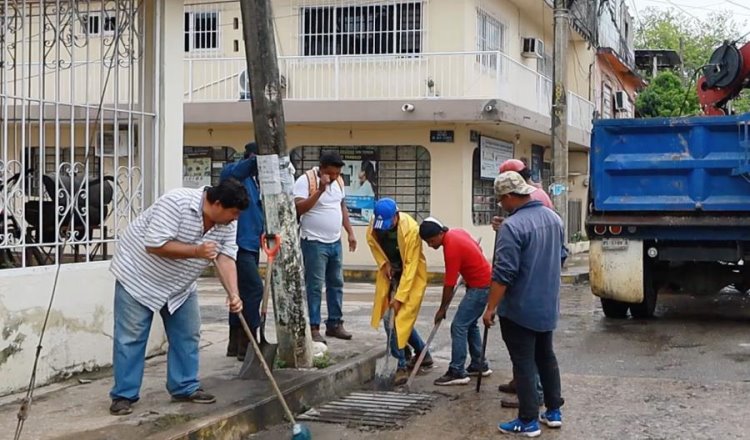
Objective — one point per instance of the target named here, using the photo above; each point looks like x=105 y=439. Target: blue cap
x=385 y=210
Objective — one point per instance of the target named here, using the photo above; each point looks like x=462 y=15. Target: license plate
x=614 y=244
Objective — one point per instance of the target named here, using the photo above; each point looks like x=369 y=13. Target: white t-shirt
x=323 y=222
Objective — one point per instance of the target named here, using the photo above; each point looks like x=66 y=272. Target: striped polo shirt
x=152 y=280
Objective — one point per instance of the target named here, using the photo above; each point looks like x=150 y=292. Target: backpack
x=312 y=181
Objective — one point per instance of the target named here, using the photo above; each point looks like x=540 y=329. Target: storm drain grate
x=380 y=410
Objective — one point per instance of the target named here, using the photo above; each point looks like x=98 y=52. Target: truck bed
x=678 y=165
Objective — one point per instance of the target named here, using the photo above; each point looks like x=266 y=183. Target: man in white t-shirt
x=319 y=198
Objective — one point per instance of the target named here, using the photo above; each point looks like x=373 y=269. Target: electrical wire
x=26 y=402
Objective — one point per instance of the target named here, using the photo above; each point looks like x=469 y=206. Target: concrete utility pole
x=559 y=188
x=276 y=182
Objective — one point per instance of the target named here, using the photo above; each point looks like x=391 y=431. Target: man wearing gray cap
x=526 y=287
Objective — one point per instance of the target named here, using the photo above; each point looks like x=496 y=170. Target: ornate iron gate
x=73 y=129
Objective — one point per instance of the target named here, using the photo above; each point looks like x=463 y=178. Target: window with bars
x=90 y=24
x=109 y=22
x=360 y=30
x=483 y=205
x=399 y=172
x=201 y=31
x=490 y=38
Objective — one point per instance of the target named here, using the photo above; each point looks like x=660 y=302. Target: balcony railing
x=445 y=75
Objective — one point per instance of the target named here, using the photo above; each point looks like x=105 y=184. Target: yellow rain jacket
x=413 y=282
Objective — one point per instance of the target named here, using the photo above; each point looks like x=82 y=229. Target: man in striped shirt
x=157 y=262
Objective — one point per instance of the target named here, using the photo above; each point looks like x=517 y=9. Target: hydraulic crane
x=724 y=77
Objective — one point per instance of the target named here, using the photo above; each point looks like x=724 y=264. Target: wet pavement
x=685 y=374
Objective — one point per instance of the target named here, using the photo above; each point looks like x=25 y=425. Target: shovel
x=385 y=373
x=250 y=367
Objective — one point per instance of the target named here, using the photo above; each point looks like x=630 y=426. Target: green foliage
x=278 y=363
x=666 y=96
x=323 y=361
x=695 y=40
x=667 y=28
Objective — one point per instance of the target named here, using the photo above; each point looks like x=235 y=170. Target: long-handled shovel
x=433 y=332
x=249 y=369
x=385 y=373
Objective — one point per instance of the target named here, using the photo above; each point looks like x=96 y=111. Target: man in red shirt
x=462 y=256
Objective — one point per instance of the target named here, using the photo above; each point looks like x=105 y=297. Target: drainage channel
x=377 y=410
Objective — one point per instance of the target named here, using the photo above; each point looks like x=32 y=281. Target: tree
x=667 y=96
x=695 y=40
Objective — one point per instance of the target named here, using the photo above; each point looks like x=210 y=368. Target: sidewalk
x=79 y=407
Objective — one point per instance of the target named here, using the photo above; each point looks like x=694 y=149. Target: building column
x=163 y=80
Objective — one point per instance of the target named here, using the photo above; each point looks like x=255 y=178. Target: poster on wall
x=196 y=172
x=360 y=174
x=492 y=153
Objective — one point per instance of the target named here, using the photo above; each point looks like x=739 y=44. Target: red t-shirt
x=463 y=255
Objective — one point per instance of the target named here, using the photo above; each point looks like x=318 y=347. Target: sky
x=700 y=8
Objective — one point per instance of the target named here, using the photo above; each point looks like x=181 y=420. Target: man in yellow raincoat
x=394 y=240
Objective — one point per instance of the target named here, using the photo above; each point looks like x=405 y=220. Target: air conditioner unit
x=244 y=80
x=532 y=48
x=622 y=101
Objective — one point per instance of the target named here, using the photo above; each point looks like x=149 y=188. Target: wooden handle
x=262 y=360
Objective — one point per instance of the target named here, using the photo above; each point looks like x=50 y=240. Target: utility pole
x=559 y=187
x=276 y=182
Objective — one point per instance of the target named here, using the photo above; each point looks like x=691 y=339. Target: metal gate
x=74 y=127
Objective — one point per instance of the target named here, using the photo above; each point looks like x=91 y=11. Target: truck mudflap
x=616 y=269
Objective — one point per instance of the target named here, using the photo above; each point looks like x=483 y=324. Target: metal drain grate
x=381 y=410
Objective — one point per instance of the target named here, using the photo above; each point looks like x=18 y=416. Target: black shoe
x=199 y=396
x=509 y=387
x=120 y=407
x=472 y=371
x=451 y=378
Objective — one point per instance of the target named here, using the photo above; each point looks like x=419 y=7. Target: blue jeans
x=464 y=330
x=251 y=289
x=415 y=341
x=132 y=326
x=323 y=266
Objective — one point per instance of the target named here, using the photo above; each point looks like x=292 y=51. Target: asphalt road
x=682 y=375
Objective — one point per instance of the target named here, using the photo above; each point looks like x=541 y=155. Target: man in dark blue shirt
x=250 y=227
x=526 y=287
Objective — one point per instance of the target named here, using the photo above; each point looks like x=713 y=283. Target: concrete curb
x=301 y=394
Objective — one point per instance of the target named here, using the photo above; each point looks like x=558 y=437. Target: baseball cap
x=431 y=227
x=385 y=210
x=512 y=182
x=331 y=158
x=512 y=165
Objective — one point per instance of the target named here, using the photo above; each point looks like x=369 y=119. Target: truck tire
x=615 y=309
x=645 y=309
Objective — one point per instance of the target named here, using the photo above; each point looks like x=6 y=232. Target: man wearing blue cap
x=395 y=244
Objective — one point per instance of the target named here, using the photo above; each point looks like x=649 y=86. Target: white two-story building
x=423 y=98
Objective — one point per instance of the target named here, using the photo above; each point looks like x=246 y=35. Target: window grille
x=401 y=172
x=490 y=38
x=201 y=31
x=384 y=28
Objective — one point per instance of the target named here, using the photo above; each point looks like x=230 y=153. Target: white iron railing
x=446 y=75
x=580 y=112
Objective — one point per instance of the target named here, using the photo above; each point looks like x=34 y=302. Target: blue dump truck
x=669 y=206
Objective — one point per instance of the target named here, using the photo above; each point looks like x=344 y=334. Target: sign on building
x=492 y=153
